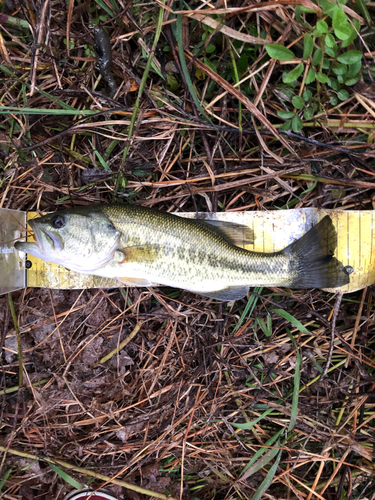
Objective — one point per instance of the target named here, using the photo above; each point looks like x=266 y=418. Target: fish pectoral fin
x=135 y=281
x=237 y=234
x=229 y=293
x=141 y=253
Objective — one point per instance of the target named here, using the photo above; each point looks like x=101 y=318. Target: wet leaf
x=280 y=52
x=350 y=57
x=308 y=45
x=293 y=74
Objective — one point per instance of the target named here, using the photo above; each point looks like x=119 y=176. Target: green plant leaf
x=333 y=100
x=343 y=94
x=209 y=64
x=330 y=40
x=326 y=64
x=293 y=75
x=333 y=83
x=352 y=81
x=297 y=124
x=285 y=115
x=308 y=113
x=298 y=102
x=339 y=69
x=352 y=36
x=307 y=10
x=321 y=77
x=276 y=51
x=341 y=24
x=354 y=69
x=286 y=125
x=210 y=48
x=330 y=51
x=242 y=63
x=308 y=45
x=350 y=57
x=328 y=7
x=343 y=33
x=317 y=57
x=322 y=26
x=310 y=77
x=307 y=95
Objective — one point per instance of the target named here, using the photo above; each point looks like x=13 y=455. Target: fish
x=143 y=247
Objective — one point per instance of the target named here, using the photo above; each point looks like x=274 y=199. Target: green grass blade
x=69 y=479
x=267 y=480
x=249 y=307
x=5 y=477
x=177 y=28
x=259 y=453
x=292 y=320
x=249 y=425
x=100 y=158
x=37 y=111
x=297 y=378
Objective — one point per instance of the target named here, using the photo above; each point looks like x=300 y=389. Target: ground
x=161 y=393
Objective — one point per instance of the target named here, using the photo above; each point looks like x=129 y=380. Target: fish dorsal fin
x=237 y=234
x=229 y=293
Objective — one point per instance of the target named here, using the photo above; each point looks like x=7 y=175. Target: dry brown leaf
x=237 y=35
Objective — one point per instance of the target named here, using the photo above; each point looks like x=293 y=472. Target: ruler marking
x=372 y=214
x=243 y=231
x=264 y=239
x=252 y=223
x=360 y=238
x=347 y=237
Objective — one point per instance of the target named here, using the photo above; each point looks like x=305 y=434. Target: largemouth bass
x=143 y=247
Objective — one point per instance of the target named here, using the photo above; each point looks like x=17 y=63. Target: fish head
x=80 y=240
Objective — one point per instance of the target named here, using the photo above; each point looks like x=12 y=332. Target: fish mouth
x=53 y=239
x=32 y=247
x=45 y=241
x=37 y=235
x=44 y=236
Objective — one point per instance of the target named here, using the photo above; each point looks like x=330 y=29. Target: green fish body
x=143 y=247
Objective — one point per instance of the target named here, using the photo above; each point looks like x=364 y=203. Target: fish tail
x=312 y=261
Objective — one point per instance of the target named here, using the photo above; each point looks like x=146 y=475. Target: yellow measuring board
x=273 y=231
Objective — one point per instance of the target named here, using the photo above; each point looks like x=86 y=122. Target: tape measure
x=273 y=231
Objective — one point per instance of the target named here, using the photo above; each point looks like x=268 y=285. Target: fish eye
x=58 y=221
